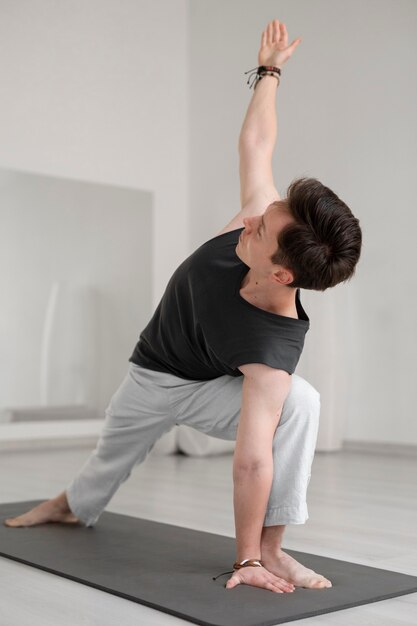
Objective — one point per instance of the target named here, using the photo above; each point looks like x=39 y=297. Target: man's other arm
x=263 y=394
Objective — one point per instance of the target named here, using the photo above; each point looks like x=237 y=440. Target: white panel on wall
x=78 y=234
x=69 y=351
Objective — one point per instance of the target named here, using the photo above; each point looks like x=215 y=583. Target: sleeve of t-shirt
x=280 y=351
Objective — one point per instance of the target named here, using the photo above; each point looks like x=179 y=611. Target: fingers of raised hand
x=284 y=34
x=275 y=32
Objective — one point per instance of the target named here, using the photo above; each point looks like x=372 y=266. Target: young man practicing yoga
x=220 y=351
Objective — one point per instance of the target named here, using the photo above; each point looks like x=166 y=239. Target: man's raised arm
x=260 y=123
x=259 y=130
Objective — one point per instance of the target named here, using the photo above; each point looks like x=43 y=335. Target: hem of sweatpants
x=283 y=515
x=86 y=521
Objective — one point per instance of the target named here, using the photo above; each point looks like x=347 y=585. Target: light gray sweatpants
x=148 y=404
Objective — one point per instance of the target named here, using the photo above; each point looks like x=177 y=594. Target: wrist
x=247 y=563
x=271 y=63
x=269 y=75
x=272 y=78
x=261 y=71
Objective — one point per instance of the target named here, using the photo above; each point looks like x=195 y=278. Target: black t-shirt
x=203 y=328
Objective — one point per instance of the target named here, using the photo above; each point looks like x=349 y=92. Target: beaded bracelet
x=244 y=563
x=263 y=70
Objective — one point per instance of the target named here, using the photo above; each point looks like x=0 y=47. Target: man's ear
x=283 y=276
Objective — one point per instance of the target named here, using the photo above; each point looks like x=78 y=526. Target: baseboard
x=60 y=443
x=388 y=449
x=48 y=413
x=365 y=447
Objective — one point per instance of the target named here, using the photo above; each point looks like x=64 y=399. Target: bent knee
x=303 y=392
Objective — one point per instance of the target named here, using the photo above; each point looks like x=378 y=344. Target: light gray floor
x=362 y=507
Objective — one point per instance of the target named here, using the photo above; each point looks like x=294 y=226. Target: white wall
x=346 y=115
x=97 y=91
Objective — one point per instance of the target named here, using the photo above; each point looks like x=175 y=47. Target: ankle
x=268 y=550
x=61 y=502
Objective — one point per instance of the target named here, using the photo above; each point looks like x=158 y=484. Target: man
x=220 y=351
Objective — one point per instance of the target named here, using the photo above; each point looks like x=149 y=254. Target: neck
x=267 y=293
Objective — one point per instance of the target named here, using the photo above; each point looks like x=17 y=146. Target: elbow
x=251 y=465
x=255 y=142
x=255 y=473
x=247 y=141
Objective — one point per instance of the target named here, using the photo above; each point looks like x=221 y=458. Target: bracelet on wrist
x=247 y=563
x=244 y=563
x=263 y=70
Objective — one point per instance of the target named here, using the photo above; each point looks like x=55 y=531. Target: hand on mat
x=259 y=577
x=274 y=48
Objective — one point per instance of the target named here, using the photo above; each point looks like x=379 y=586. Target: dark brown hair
x=323 y=244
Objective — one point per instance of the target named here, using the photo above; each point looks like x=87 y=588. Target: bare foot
x=284 y=566
x=48 y=511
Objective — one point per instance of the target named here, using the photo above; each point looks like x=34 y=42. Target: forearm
x=260 y=123
x=250 y=498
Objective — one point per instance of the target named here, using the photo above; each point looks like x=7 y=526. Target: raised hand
x=274 y=48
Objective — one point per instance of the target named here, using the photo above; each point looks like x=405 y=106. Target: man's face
x=258 y=241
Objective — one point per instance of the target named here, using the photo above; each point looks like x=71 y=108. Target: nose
x=247 y=222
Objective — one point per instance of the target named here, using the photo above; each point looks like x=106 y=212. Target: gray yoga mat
x=171 y=569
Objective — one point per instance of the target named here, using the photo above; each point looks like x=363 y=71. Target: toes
x=17 y=522
x=11 y=521
x=318 y=583
x=322 y=583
